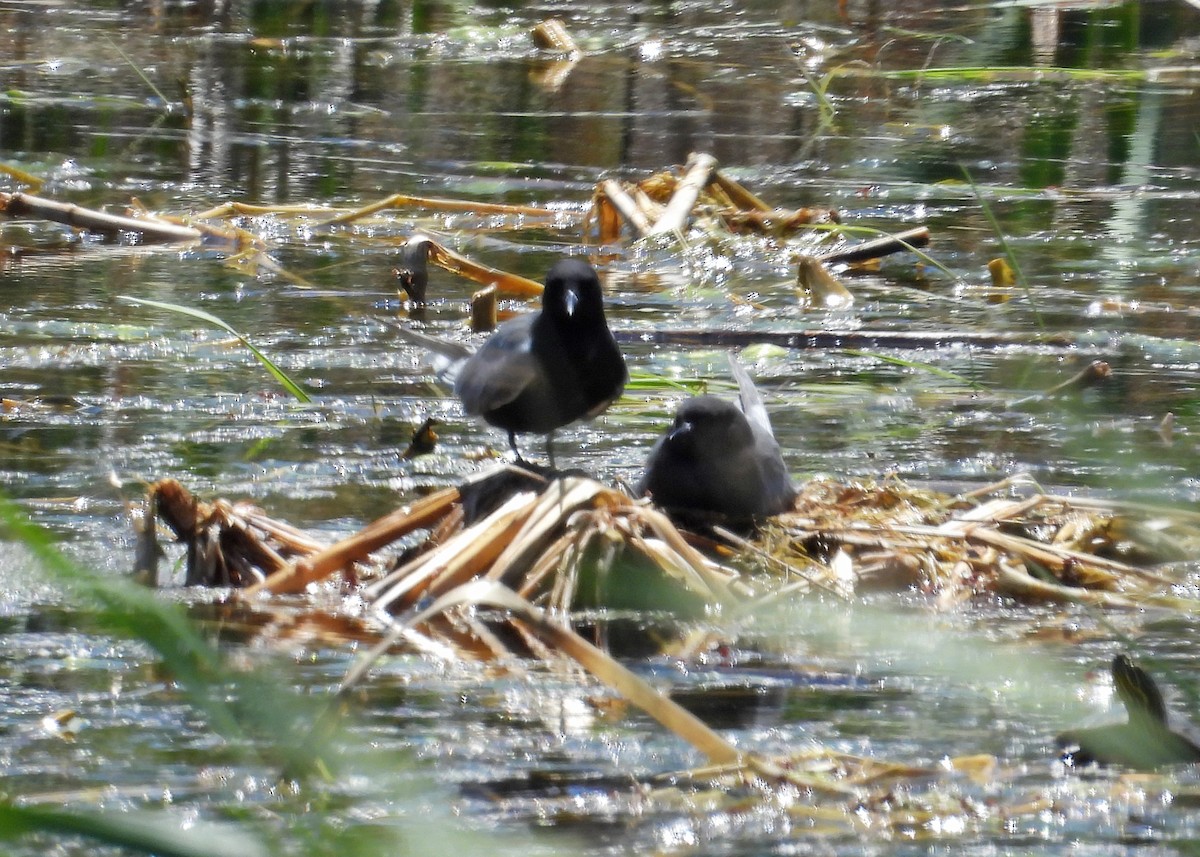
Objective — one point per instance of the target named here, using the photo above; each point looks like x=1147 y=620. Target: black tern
x=721 y=458
x=541 y=371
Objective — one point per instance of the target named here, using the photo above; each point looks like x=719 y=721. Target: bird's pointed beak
x=572 y=301
x=679 y=432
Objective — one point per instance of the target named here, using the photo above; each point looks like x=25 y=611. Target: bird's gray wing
x=503 y=369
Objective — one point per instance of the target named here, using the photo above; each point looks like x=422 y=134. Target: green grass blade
x=137 y=831
x=1013 y=262
x=916 y=364
x=288 y=384
x=138 y=71
x=237 y=706
x=649 y=382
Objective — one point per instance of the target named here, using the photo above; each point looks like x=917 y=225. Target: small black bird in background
x=541 y=371
x=720 y=457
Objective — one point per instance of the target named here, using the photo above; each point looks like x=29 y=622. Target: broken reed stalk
x=560 y=499
x=738 y=194
x=697 y=173
x=231 y=209
x=602 y=220
x=466 y=552
x=552 y=35
x=505 y=282
x=820 y=288
x=877 y=247
x=483 y=310
x=1020 y=584
x=474 y=552
x=626 y=207
x=401 y=200
x=154 y=231
x=297 y=575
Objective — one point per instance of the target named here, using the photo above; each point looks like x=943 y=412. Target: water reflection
x=184 y=106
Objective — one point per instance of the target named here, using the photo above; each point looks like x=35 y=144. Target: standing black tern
x=541 y=371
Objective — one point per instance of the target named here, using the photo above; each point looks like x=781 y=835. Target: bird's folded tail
x=750 y=398
x=445 y=356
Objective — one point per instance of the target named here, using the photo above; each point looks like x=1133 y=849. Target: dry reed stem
x=510 y=284
x=1019 y=583
x=565 y=641
x=356 y=548
x=649 y=207
x=295 y=540
x=626 y=207
x=721 y=582
x=550 y=559
x=557 y=503
x=738 y=195
x=822 y=288
x=400 y=200
x=27 y=205
x=231 y=209
x=552 y=35
x=604 y=216
x=786 y=566
x=467 y=552
x=885 y=245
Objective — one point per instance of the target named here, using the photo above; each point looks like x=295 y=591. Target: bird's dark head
x=708 y=426
x=573 y=291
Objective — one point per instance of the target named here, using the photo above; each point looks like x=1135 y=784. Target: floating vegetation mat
x=546 y=537
x=495 y=569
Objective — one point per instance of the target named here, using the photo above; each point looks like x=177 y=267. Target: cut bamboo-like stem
x=699 y=169
x=626 y=207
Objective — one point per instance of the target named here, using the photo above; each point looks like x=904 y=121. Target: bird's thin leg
x=512 y=442
x=550 y=449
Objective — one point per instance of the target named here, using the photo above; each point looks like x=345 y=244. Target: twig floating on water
x=28 y=205
x=888 y=244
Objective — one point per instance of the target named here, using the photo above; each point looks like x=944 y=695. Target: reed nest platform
x=543 y=536
x=495 y=570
